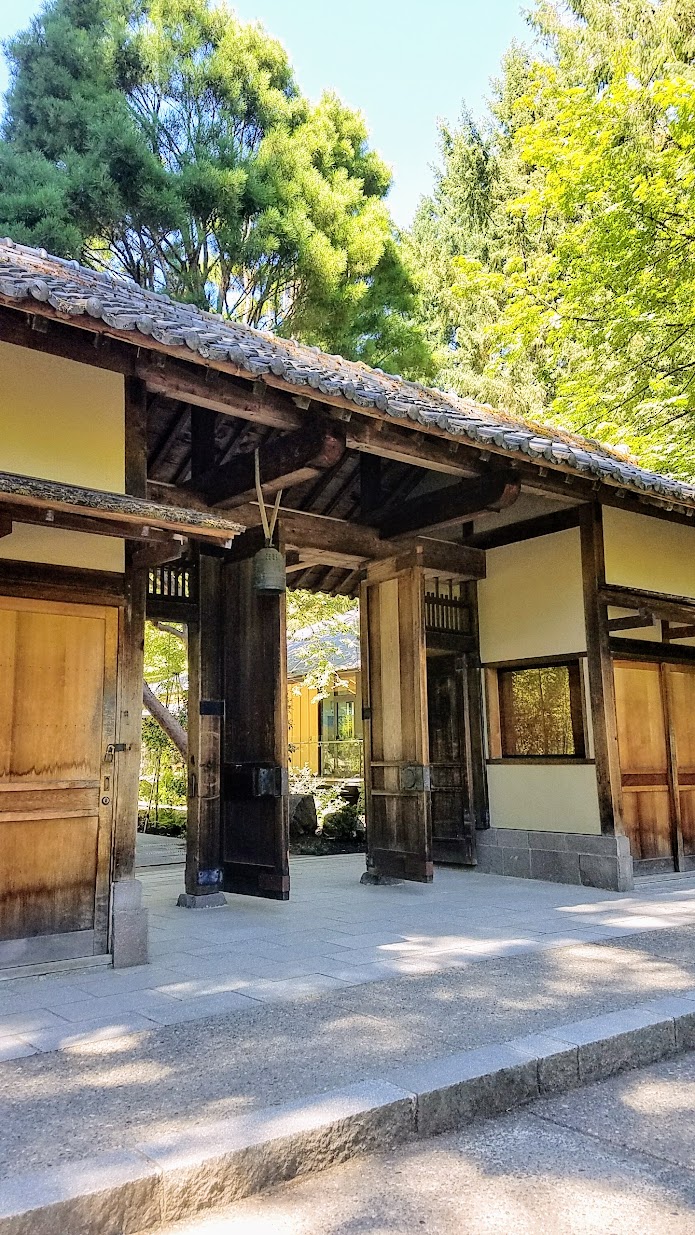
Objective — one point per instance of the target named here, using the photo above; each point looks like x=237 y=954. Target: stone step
x=212 y=1164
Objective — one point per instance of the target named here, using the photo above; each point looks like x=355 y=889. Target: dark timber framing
x=600 y=670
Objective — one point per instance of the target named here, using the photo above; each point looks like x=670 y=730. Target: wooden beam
x=437 y=559
x=220 y=392
x=203 y=449
x=157 y=554
x=5 y=526
x=370 y=484
x=387 y=441
x=336 y=542
x=662 y=604
x=283 y=462
x=135 y=437
x=630 y=623
x=678 y=632
x=527 y=529
x=39 y=581
x=600 y=670
x=452 y=504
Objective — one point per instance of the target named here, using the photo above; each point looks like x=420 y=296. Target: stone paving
x=615 y=1158
x=334 y=934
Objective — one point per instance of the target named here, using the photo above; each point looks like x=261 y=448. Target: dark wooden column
x=473 y=706
x=205 y=722
x=255 y=807
x=600 y=669
x=394 y=684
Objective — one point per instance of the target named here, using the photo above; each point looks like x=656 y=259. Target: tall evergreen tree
x=169 y=140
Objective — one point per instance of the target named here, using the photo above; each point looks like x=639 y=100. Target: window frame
x=498 y=720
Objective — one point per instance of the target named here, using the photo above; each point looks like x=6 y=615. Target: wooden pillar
x=131 y=647
x=205 y=720
x=128 y=918
x=394 y=684
x=131 y=654
x=473 y=708
x=255 y=805
x=600 y=670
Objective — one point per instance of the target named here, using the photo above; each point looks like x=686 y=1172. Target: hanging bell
x=269 y=576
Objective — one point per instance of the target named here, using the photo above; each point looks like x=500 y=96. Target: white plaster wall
x=649 y=553
x=63 y=421
x=544 y=797
x=531 y=602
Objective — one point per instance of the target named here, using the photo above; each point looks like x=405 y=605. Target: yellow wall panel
x=30 y=543
x=544 y=798
x=61 y=421
x=531 y=603
x=648 y=553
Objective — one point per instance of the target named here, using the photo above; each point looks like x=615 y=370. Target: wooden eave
x=179 y=373
x=27 y=499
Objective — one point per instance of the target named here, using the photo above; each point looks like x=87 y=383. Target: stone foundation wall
x=562 y=857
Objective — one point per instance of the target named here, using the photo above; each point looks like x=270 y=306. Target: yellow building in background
x=325 y=725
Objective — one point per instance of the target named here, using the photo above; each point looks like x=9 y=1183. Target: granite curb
x=214 y=1163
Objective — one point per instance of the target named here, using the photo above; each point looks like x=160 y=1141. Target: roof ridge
x=124 y=306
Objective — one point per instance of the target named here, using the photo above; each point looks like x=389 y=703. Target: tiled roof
x=337 y=639
x=28 y=275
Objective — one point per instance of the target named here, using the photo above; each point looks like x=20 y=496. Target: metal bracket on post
x=414 y=778
x=253 y=780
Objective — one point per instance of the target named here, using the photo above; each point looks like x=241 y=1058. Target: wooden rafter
x=284 y=462
x=452 y=504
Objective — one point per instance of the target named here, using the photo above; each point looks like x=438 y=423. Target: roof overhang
x=28 y=499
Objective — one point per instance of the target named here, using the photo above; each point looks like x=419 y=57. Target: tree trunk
x=171 y=726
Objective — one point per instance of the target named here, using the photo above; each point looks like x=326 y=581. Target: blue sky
x=403 y=64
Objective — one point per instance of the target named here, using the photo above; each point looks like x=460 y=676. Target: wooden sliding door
x=57 y=732
x=453 y=827
x=655 y=705
x=680 y=683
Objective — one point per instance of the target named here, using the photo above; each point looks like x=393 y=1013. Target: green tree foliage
x=163 y=771
x=460 y=245
x=613 y=143
x=556 y=251
x=169 y=140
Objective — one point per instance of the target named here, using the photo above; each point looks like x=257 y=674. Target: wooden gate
x=394 y=686
x=453 y=827
x=655 y=705
x=57 y=733
x=255 y=803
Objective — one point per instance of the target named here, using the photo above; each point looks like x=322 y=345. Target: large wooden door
x=396 y=746
x=255 y=802
x=453 y=827
x=680 y=694
x=57 y=728
x=644 y=760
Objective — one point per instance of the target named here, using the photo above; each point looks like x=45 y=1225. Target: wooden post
x=255 y=805
x=600 y=670
x=128 y=918
x=205 y=720
x=131 y=646
x=131 y=654
x=396 y=745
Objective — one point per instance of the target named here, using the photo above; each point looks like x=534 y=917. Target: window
x=541 y=712
x=341 y=749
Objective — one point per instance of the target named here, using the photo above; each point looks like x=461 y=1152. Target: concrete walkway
x=334 y=935
x=616 y=1158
